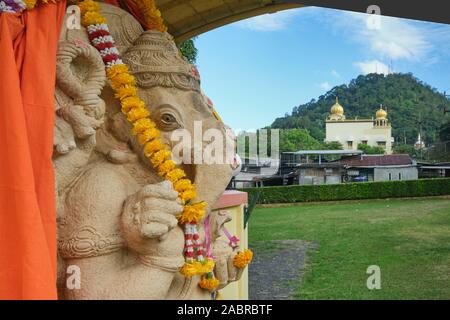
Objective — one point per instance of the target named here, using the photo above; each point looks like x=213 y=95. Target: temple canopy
x=186 y=19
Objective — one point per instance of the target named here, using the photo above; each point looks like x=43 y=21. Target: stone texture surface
x=116 y=218
x=277 y=268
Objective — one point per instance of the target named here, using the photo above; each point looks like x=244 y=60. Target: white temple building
x=351 y=132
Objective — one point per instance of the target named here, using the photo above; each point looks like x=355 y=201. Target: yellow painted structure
x=237 y=290
x=351 y=132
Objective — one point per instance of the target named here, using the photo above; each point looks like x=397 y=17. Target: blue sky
x=258 y=69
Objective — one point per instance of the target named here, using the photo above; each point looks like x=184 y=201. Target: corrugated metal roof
x=378 y=160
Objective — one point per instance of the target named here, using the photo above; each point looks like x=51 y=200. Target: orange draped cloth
x=28 y=44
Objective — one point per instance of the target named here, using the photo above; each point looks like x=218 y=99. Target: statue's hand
x=149 y=219
x=224 y=269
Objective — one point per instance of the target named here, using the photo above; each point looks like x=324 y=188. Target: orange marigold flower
x=175 y=175
x=142 y=125
x=182 y=185
x=91 y=18
x=132 y=102
x=117 y=69
x=242 y=259
x=166 y=167
x=30 y=3
x=189 y=269
x=137 y=113
x=148 y=135
x=152 y=147
x=125 y=92
x=123 y=79
x=188 y=195
x=192 y=213
x=209 y=284
x=87 y=6
x=159 y=157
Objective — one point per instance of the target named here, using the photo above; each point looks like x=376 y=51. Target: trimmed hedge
x=351 y=191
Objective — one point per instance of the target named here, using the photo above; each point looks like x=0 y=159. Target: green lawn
x=408 y=239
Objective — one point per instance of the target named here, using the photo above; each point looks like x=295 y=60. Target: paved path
x=276 y=269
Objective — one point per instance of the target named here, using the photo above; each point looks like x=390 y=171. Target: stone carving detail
x=87 y=242
x=116 y=217
x=155 y=61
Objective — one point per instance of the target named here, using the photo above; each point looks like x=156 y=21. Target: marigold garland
x=242 y=259
x=152 y=15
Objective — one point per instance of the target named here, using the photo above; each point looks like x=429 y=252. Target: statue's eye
x=168 y=119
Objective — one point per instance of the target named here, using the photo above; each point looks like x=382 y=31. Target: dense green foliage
x=291 y=140
x=409 y=239
x=351 y=191
x=406 y=149
x=188 y=50
x=298 y=139
x=408 y=101
x=369 y=149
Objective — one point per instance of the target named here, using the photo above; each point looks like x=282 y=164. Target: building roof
x=378 y=160
x=326 y=152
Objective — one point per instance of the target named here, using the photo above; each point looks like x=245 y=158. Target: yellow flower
x=188 y=195
x=152 y=147
x=207 y=266
x=242 y=259
x=166 y=167
x=197 y=268
x=125 y=92
x=182 y=185
x=175 y=175
x=123 y=79
x=88 y=5
x=159 y=157
x=132 y=102
x=152 y=15
x=142 y=125
x=192 y=213
x=30 y=3
x=116 y=70
x=209 y=284
x=92 y=17
x=137 y=113
x=189 y=269
x=148 y=135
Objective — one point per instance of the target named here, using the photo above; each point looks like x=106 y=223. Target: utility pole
x=444 y=108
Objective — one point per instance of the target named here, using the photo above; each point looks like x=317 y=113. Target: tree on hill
x=407 y=99
x=369 y=149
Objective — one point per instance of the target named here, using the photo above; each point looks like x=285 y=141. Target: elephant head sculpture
x=117 y=221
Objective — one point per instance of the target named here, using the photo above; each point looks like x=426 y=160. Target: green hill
x=407 y=99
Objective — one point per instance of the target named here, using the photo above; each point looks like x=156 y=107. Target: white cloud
x=269 y=22
x=373 y=66
x=335 y=74
x=325 y=86
x=394 y=39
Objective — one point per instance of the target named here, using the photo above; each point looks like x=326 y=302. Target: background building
x=351 y=132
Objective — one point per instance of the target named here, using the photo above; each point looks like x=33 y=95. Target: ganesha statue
x=117 y=218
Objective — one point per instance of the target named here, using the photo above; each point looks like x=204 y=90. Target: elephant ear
x=80 y=78
x=124 y=28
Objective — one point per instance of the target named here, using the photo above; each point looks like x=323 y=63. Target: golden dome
x=337 y=108
x=381 y=113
